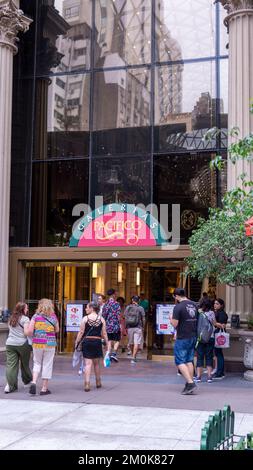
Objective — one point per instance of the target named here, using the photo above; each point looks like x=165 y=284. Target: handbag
x=79 y=346
x=221 y=339
x=28 y=338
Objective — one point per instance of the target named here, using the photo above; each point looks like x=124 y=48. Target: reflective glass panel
x=57 y=188
x=121 y=180
x=123 y=32
x=121 y=112
x=64 y=36
x=223 y=32
x=224 y=102
x=185 y=105
x=62 y=117
x=184 y=29
x=186 y=180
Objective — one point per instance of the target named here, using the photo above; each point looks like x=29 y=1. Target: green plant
x=219 y=245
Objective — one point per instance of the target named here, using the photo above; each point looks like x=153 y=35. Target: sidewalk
x=138 y=407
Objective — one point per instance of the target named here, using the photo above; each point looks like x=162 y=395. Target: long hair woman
x=221 y=321
x=44 y=326
x=92 y=331
x=17 y=348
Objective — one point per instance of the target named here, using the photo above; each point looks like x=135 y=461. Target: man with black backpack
x=135 y=320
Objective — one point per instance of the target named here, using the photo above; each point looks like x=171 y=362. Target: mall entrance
x=72 y=284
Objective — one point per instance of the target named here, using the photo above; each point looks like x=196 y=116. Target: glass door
x=63 y=283
x=163 y=279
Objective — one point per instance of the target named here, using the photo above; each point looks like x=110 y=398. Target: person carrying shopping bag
x=92 y=331
x=221 y=322
x=18 y=348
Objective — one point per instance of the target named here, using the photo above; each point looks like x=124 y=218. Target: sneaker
x=184 y=389
x=179 y=374
x=218 y=377
x=133 y=361
x=45 y=392
x=197 y=379
x=80 y=372
x=32 y=389
x=7 y=389
x=209 y=380
x=27 y=385
x=113 y=357
x=189 y=388
x=129 y=353
x=214 y=371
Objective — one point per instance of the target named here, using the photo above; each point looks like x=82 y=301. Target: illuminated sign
x=118 y=225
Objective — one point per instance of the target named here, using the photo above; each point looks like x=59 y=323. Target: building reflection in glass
x=188 y=23
x=122 y=180
x=122 y=98
x=123 y=31
x=186 y=180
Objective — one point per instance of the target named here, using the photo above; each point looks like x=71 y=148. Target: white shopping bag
x=77 y=357
x=221 y=339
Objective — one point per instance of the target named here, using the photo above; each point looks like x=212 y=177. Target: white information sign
x=163 y=324
x=74 y=317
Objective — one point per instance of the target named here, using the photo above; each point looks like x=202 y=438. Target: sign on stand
x=74 y=317
x=163 y=315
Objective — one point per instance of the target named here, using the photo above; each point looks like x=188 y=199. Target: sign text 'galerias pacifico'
x=117 y=225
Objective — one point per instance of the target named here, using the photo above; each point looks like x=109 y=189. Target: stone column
x=240 y=28
x=12 y=21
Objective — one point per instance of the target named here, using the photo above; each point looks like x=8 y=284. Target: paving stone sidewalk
x=139 y=407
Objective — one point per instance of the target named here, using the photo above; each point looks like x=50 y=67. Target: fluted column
x=240 y=27
x=12 y=21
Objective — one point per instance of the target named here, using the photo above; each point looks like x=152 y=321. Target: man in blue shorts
x=184 y=319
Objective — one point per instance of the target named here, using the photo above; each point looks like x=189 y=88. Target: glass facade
x=113 y=98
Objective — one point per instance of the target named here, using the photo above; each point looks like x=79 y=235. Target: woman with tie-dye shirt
x=43 y=327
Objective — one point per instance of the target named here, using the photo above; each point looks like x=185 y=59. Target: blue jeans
x=220 y=361
x=184 y=350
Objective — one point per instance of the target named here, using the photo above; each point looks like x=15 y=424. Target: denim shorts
x=184 y=350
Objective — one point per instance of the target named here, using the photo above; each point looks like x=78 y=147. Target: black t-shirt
x=221 y=317
x=187 y=314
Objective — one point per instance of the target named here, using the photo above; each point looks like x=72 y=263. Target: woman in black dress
x=92 y=331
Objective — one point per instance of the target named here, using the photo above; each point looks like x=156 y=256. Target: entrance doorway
x=63 y=283
x=78 y=282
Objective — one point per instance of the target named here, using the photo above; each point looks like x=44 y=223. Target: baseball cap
x=179 y=291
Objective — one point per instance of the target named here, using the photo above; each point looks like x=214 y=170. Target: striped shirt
x=44 y=331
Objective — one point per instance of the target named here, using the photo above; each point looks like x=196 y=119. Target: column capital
x=232 y=6
x=12 y=21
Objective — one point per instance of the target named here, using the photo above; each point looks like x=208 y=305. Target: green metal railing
x=218 y=433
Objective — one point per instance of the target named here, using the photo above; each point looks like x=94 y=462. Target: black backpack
x=132 y=316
